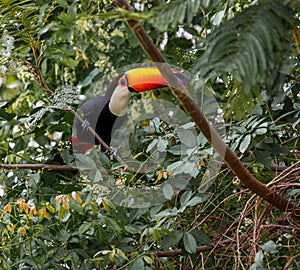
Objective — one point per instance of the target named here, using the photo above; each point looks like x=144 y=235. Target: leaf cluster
x=254 y=48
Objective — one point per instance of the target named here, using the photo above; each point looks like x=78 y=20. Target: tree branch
x=202 y=124
x=38 y=167
x=178 y=252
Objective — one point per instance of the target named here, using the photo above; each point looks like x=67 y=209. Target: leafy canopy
x=244 y=52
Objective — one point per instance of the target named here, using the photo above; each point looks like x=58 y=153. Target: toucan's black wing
x=90 y=112
x=97 y=115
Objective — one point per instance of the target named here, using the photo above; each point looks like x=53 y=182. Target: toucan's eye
x=122 y=81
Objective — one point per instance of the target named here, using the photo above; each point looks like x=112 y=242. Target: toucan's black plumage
x=96 y=112
x=106 y=113
x=98 y=116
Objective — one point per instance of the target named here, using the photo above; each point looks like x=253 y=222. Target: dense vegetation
x=242 y=55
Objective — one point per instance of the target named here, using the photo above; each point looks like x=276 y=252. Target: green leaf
x=3 y=103
x=99 y=234
x=85 y=162
x=168 y=191
x=270 y=247
x=132 y=229
x=113 y=224
x=162 y=145
x=165 y=213
x=201 y=237
x=88 y=80
x=258 y=261
x=151 y=145
x=172 y=239
x=172 y=13
x=198 y=199
x=175 y=167
x=263 y=157
x=187 y=137
x=189 y=243
x=138 y=264
x=157 y=236
x=185 y=197
x=6 y=116
x=218 y=17
x=66 y=156
x=245 y=143
x=4 y=263
x=84 y=227
x=273 y=148
x=175 y=150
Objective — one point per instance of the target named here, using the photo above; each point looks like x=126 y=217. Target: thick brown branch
x=202 y=124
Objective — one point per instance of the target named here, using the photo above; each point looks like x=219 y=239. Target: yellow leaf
x=50 y=208
x=111 y=256
x=145 y=123
x=119 y=182
x=22 y=205
x=58 y=199
x=159 y=176
x=32 y=211
x=43 y=213
x=94 y=207
x=166 y=175
x=7 y=208
x=25 y=208
x=22 y=231
x=120 y=253
x=76 y=197
x=10 y=228
x=65 y=202
x=105 y=205
x=61 y=212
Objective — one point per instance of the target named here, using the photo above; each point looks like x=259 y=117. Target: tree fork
x=202 y=124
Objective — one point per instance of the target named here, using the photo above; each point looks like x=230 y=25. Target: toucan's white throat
x=119 y=100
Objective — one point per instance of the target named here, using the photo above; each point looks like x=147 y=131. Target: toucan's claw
x=85 y=124
x=112 y=153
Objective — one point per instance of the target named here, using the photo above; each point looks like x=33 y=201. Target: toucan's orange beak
x=147 y=78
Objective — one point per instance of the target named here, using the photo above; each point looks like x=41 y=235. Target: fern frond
x=18 y=18
x=253 y=47
x=176 y=12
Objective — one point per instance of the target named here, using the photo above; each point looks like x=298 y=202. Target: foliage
x=245 y=52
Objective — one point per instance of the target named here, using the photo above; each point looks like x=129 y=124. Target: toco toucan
x=106 y=113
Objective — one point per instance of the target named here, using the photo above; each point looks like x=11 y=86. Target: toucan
x=106 y=113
